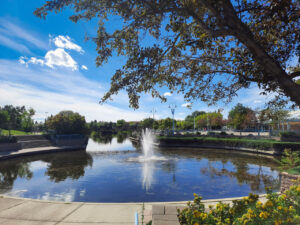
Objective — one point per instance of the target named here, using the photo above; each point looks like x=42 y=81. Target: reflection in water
x=63 y=166
x=112 y=177
x=9 y=172
x=148 y=176
x=112 y=146
x=59 y=167
x=238 y=166
x=106 y=138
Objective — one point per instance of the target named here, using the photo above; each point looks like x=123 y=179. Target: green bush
x=289 y=160
x=8 y=139
x=278 y=209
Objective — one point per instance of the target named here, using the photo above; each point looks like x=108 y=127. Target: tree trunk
x=270 y=65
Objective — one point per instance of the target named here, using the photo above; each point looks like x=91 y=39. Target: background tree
x=213 y=120
x=166 y=124
x=196 y=46
x=273 y=115
x=149 y=123
x=67 y=122
x=241 y=117
x=27 y=123
x=17 y=118
x=3 y=119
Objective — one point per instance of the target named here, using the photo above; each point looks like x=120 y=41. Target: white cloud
x=13 y=45
x=15 y=31
x=84 y=67
x=55 y=91
x=58 y=57
x=65 y=42
x=46 y=101
x=167 y=94
x=186 y=105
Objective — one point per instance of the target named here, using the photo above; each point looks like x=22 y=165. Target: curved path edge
x=17 y=210
x=38 y=150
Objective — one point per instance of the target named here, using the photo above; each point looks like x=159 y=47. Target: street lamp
x=172 y=106
x=153 y=111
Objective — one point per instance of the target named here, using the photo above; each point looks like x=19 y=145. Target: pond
x=105 y=173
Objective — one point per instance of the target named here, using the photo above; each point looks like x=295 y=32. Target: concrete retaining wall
x=10 y=147
x=204 y=145
x=288 y=180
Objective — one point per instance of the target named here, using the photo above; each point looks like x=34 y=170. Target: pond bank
x=35 y=151
x=261 y=146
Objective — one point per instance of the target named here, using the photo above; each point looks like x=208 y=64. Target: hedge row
x=261 y=144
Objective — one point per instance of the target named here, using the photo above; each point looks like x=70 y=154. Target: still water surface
x=105 y=174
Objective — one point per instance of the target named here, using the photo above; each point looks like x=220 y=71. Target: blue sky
x=47 y=65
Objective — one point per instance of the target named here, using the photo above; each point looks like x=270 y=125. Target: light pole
x=172 y=106
x=194 y=124
x=153 y=111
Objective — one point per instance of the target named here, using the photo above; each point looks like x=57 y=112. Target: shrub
x=289 y=160
x=278 y=209
x=223 y=133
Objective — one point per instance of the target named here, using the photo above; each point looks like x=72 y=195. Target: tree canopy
x=204 y=49
x=67 y=122
x=241 y=117
x=16 y=117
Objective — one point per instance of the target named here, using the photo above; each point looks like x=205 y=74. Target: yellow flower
x=289 y=220
x=197 y=214
x=258 y=204
x=204 y=216
x=283 y=196
x=279 y=207
x=278 y=222
x=245 y=198
x=227 y=220
x=264 y=215
x=196 y=223
x=298 y=189
x=268 y=204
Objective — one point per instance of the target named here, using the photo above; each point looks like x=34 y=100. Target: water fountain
x=148 y=158
x=148 y=146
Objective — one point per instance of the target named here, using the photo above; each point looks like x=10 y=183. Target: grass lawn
x=14 y=132
x=294 y=171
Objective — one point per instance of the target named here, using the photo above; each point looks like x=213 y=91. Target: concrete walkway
x=21 y=211
x=33 y=151
x=16 y=211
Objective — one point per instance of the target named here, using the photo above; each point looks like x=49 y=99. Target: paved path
x=16 y=211
x=21 y=211
x=33 y=151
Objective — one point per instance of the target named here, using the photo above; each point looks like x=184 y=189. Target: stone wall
x=10 y=147
x=287 y=181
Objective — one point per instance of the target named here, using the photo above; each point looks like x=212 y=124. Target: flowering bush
x=278 y=209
